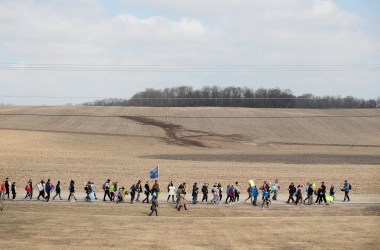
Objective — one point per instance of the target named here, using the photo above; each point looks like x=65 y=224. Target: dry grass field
x=191 y=144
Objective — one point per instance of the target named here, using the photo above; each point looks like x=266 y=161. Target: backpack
x=349 y=186
x=104 y=186
x=248 y=190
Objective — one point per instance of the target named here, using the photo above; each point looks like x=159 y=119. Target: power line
x=171 y=98
x=195 y=68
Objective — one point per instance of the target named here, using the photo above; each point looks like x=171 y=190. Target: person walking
x=93 y=188
x=266 y=197
x=31 y=188
x=147 y=192
x=332 y=193
x=171 y=191
x=205 y=192
x=7 y=185
x=322 y=193
x=132 y=192
x=310 y=192
x=13 y=189
x=58 y=190
x=292 y=190
x=47 y=190
x=182 y=202
x=306 y=191
x=232 y=194
x=72 y=191
x=28 y=191
x=88 y=190
x=254 y=194
x=249 y=191
x=3 y=190
x=194 y=193
x=346 y=189
x=154 y=207
x=237 y=192
x=178 y=195
x=220 y=192
x=228 y=193
x=275 y=188
x=41 y=189
x=138 y=190
x=299 y=195
x=106 y=188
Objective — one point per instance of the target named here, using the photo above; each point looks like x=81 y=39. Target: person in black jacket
x=72 y=191
x=58 y=190
x=322 y=192
x=13 y=188
x=310 y=192
x=147 y=192
x=47 y=190
x=205 y=192
x=138 y=190
x=195 y=193
x=7 y=187
x=292 y=190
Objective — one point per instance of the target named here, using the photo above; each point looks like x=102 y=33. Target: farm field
x=191 y=145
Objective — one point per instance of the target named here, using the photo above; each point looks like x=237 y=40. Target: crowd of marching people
x=214 y=195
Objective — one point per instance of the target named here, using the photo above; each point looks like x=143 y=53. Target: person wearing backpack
x=58 y=190
x=249 y=191
x=106 y=188
x=346 y=189
x=154 y=207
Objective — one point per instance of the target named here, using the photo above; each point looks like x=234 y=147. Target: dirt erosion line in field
x=171 y=131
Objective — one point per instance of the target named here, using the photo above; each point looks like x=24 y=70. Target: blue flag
x=154 y=173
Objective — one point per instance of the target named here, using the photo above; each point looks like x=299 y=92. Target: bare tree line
x=213 y=96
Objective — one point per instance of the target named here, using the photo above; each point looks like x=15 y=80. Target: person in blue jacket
x=254 y=194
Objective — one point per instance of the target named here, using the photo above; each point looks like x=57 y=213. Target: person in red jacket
x=28 y=191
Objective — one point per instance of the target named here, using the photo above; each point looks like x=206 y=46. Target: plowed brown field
x=191 y=144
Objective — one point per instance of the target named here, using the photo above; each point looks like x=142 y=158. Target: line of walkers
x=116 y=193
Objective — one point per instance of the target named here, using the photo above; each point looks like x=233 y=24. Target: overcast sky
x=195 y=32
